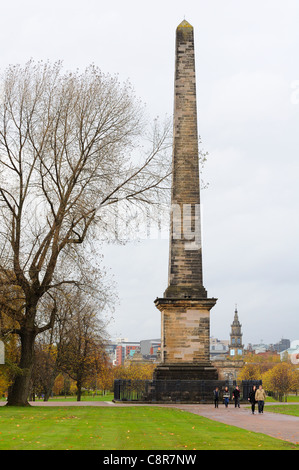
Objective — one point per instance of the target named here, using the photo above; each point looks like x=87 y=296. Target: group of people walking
x=256 y=396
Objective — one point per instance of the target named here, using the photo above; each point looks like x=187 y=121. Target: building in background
x=150 y=347
x=227 y=354
x=236 y=347
x=261 y=347
x=218 y=349
x=122 y=349
x=282 y=345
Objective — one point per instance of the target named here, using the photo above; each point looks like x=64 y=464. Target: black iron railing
x=178 y=391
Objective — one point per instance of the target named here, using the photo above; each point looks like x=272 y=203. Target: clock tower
x=236 y=347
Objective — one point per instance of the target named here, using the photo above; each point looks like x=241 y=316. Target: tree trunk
x=79 y=390
x=19 y=391
x=49 y=385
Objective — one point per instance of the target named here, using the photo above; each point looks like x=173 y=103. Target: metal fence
x=177 y=391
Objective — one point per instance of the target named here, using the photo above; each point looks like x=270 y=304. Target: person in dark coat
x=216 y=396
x=252 y=399
x=236 y=396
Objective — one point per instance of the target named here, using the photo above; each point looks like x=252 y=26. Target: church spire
x=236 y=318
x=236 y=347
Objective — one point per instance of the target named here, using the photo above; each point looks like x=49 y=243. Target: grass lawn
x=284 y=409
x=133 y=428
x=290 y=399
x=99 y=397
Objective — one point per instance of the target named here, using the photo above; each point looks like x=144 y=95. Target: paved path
x=277 y=425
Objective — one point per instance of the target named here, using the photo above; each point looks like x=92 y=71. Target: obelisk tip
x=185 y=24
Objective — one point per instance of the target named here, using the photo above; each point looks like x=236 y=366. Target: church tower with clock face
x=236 y=347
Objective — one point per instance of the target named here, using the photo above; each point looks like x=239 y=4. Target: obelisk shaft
x=185 y=258
x=185 y=308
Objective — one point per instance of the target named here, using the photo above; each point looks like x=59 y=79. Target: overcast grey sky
x=248 y=110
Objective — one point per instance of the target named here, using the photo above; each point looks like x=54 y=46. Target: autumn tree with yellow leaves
x=256 y=365
x=282 y=379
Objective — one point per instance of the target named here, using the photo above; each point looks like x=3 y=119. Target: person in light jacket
x=260 y=397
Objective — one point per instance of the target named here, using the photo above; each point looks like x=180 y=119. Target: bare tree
x=81 y=346
x=75 y=345
x=68 y=152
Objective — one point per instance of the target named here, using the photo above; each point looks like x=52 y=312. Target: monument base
x=187 y=371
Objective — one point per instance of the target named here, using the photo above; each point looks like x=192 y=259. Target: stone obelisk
x=185 y=307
